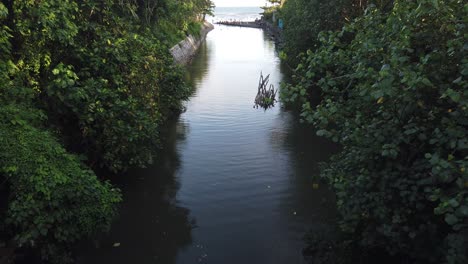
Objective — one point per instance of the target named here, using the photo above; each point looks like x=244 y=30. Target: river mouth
x=234 y=184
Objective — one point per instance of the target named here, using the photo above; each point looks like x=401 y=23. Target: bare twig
x=265 y=98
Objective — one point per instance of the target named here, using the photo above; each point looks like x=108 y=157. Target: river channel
x=234 y=184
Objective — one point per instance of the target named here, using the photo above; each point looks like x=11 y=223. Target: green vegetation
x=273 y=7
x=305 y=19
x=54 y=198
x=394 y=94
x=83 y=85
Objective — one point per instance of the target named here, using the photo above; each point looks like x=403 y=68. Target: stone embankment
x=184 y=51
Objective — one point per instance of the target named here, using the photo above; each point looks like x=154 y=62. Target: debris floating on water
x=265 y=98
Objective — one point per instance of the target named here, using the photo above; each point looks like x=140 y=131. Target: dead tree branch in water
x=265 y=98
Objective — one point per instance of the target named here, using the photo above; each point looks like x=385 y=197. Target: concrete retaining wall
x=184 y=51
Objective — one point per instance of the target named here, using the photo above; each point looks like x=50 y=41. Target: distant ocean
x=236 y=13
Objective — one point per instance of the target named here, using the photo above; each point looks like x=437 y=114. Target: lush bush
x=268 y=13
x=120 y=92
x=305 y=19
x=170 y=19
x=102 y=71
x=106 y=88
x=54 y=200
x=394 y=95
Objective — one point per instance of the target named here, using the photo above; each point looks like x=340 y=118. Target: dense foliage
x=88 y=77
x=110 y=87
x=55 y=199
x=305 y=19
x=394 y=95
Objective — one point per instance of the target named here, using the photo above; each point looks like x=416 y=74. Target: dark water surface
x=235 y=184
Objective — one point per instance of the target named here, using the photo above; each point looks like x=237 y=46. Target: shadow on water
x=310 y=206
x=199 y=67
x=151 y=227
x=307 y=151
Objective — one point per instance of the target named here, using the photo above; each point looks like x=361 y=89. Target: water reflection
x=199 y=66
x=313 y=201
x=152 y=226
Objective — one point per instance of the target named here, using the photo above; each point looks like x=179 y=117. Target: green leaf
x=463 y=210
x=321 y=133
x=427 y=82
x=458 y=80
x=451 y=219
x=453 y=203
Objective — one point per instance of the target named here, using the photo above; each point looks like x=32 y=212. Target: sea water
x=236 y=14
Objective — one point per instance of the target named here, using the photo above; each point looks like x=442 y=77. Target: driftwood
x=265 y=98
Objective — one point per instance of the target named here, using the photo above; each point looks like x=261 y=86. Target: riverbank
x=274 y=32
x=186 y=49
